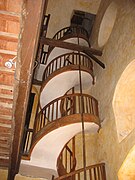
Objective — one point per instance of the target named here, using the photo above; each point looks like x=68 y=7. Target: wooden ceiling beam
x=7 y=87
x=4 y=135
x=6 y=96
x=7 y=117
x=4 y=154
x=5 y=121
x=6 y=105
x=10 y=16
x=5 y=129
x=75 y=47
x=67 y=45
x=5 y=69
x=7 y=52
x=8 y=36
x=4 y=162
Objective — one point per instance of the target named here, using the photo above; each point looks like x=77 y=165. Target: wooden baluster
x=49 y=113
x=91 y=105
x=104 y=173
x=96 y=108
x=52 y=112
x=78 y=176
x=55 y=64
x=41 y=122
x=84 y=104
x=44 y=119
x=57 y=109
x=66 y=159
x=79 y=104
x=90 y=174
x=52 y=66
x=95 y=175
x=70 y=161
x=60 y=63
x=83 y=61
x=49 y=70
x=73 y=62
x=92 y=108
x=38 y=121
x=98 y=170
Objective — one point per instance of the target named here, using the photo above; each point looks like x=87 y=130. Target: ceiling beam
x=7 y=87
x=6 y=96
x=67 y=45
x=8 y=36
x=7 y=52
x=10 y=16
x=75 y=47
x=4 y=162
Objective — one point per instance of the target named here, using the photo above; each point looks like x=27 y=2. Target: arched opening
x=124 y=102
x=107 y=24
x=127 y=170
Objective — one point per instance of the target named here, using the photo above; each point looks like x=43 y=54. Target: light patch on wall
x=124 y=102
x=35 y=104
x=127 y=170
x=107 y=24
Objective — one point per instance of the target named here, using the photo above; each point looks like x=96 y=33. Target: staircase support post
x=82 y=120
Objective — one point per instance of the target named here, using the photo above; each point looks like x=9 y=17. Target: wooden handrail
x=71 y=30
x=94 y=172
x=74 y=59
x=51 y=111
x=66 y=161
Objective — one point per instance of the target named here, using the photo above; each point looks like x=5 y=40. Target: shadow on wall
x=124 y=102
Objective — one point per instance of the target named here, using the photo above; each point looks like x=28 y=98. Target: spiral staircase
x=65 y=110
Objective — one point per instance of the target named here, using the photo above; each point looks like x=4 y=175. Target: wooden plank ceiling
x=10 y=11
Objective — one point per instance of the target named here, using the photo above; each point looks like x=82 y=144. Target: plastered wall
x=61 y=12
x=118 y=52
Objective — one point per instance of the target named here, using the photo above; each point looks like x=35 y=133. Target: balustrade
x=59 y=108
x=74 y=59
x=71 y=30
x=93 y=172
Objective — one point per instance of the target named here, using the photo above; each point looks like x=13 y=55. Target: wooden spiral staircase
x=64 y=108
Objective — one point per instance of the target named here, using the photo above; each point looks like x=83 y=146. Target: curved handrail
x=67 y=60
x=75 y=31
x=51 y=112
x=66 y=162
x=70 y=32
x=94 y=172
